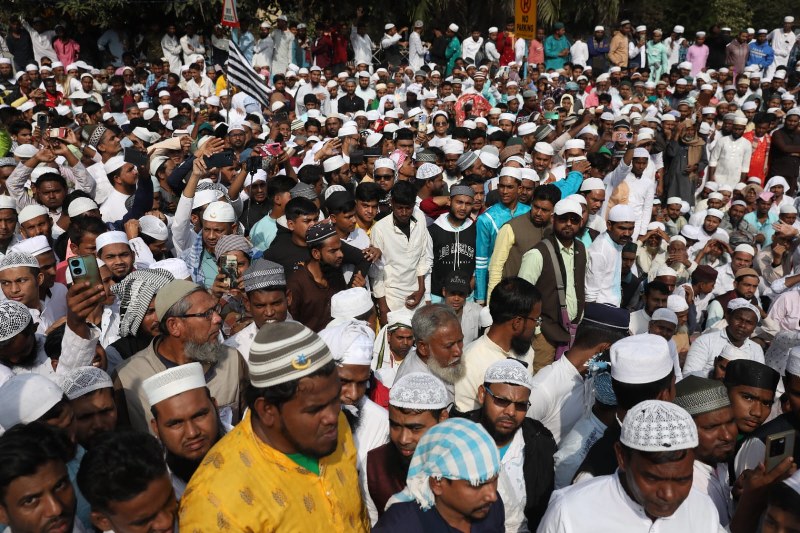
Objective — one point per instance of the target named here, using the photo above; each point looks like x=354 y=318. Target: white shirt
x=416 y=52
x=470 y=321
x=700 y=359
x=714 y=483
x=404 y=258
x=372 y=430
x=282 y=50
x=602 y=505
x=191 y=46
x=362 y=47
x=470 y=47
x=782 y=44
x=558 y=397
x=243 y=339
x=201 y=90
x=171 y=47
x=640 y=322
x=731 y=158
x=511 y=484
x=113 y=208
x=262 y=52
x=579 y=52
x=604 y=271
x=575 y=446
x=477 y=358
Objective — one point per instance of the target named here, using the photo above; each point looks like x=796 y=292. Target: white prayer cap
x=700 y=34
x=741 y=303
x=111 y=237
x=25 y=151
x=418 y=390
x=567 y=206
x=453 y=147
x=525 y=173
x=33 y=246
x=640 y=359
x=577 y=198
x=740 y=121
x=685 y=65
x=173 y=381
x=666 y=271
x=665 y=315
x=80 y=206
x=31 y=211
x=6 y=202
x=493 y=29
x=656 y=426
x=177 y=267
x=388 y=26
x=351 y=303
x=599 y=28
x=16 y=260
x=153 y=227
x=667 y=118
x=40 y=171
x=674 y=200
x=793 y=362
x=385 y=162
x=588 y=130
x=640 y=152
x=453 y=28
x=543 y=148
x=508 y=371
x=511 y=172
x=575 y=143
x=527 y=128
x=333 y=163
x=27 y=397
x=219 y=212
x=788 y=19
x=762 y=31
x=489 y=159
x=83 y=380
x=592 y=184
x=745 y=248
x=677 y=238
x=351 y=342
x=715 y=213
x=115 y=163
x=656 y=225
x=677 y=304
x=709 y=111
x=788 y=209
x=621 y=213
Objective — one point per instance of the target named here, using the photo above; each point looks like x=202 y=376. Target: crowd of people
x=437 y=281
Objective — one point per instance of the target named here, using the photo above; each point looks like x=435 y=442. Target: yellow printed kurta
x=245 y=485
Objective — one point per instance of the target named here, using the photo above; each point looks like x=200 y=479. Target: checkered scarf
x=454 y=449
x=135 y=293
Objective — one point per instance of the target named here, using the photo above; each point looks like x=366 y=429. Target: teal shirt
x=210 y=269
x=552 y=47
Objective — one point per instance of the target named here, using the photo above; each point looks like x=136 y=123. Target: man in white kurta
x=730 y=158
x=604 y=269
x=617 y=503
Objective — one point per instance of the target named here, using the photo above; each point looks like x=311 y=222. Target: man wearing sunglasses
x=504 y=399
x=188 y=323
x=563 y=290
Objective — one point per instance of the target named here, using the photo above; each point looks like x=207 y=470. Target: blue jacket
x=761 y=55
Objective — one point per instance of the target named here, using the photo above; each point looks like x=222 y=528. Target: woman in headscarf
x=685 y=159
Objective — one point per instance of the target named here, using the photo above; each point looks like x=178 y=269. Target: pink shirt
x=697 y=56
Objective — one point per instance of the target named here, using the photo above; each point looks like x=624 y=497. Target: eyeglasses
x=538 y=320
x=216 y=310
x=502 y=403
x=384 y=177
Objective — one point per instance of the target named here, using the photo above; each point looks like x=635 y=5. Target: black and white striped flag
x=244 y=77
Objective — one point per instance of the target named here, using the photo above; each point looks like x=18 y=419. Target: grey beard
x=206 y=352
x=448 y=374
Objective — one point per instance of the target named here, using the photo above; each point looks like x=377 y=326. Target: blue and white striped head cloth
x=454 y=449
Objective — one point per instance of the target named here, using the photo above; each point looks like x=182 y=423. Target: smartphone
x=422 y=120
x=42 y=121
x=229 y=266
x=779 y=447
x=572 y=160
x=58 y=133
x=622 y=136
x=220 y=160
x=135 y=157
x=84 y=268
